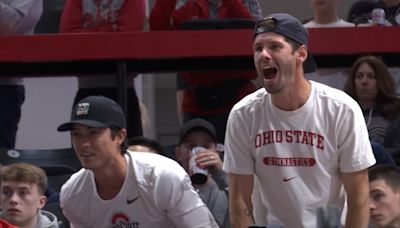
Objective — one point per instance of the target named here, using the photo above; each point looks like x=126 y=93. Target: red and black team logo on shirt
x=289 y=136
x=120 y=220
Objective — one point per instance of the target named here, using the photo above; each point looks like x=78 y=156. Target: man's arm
x=357 y=189
x=240 y=206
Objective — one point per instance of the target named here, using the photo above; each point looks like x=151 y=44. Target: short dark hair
x=387 y=172
x=124 y=144
x=152 y=144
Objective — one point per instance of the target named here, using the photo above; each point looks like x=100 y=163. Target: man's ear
x=178 y=154
x=302 y=53
x=122 y=135
x=42 y=202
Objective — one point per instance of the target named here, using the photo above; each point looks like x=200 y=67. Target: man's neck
x=110 y=179
x=326 y=17
x=293 y=97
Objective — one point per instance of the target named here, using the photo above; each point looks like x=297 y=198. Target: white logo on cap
x=83 y=109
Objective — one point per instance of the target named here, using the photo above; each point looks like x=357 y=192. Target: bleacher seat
x=58 y=164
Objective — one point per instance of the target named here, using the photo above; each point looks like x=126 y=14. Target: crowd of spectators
x=205 y=101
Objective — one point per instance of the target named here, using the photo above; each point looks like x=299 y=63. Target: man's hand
x=209 y=159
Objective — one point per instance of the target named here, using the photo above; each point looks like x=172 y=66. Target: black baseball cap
x=96 y=112
x=197 y=124
x=289 y=27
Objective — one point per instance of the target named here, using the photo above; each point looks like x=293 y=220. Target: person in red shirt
x=89 y=16
x=207 y=95
x=4 y=224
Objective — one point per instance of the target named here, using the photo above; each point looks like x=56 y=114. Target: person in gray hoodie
x=22 y=196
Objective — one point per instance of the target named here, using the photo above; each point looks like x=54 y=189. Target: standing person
x=326 y=16
x=302 y=140
x=90 y=16
x=213 y=191
x=372 y=86
x=118 y=188
x=208 y=95
x=23 y=189
x=17 y=17
x=384 y=188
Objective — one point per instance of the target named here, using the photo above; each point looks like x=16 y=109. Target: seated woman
x=372 y=86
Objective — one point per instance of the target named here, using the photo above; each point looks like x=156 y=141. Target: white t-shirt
x=297 y=156
x=338 y=23
x=157 y=192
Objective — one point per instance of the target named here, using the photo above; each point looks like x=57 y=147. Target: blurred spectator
x=144 y=144
x=359 y=11
x=88 y=16
x=17 y=17
x=384 y=188
x=22 y=197
x=213 y=192
x=326 y=16
x=372 y=86
x=207 y=95
x=363 y=16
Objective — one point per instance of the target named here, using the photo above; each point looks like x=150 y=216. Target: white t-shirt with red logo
x=297 y=155
x=157 y=192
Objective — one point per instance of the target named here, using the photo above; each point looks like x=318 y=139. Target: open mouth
x=270 y=72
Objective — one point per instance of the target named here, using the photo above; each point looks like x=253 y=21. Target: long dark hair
x=386 y=99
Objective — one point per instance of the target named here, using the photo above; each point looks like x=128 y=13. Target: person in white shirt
x=306 y=143
x=326 y=16
x=119 y=188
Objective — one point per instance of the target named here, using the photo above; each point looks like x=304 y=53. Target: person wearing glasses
x=305 y=143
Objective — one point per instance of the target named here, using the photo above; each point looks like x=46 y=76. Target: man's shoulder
x=332 y=94
x=253 y=100
x=78 y=181
x=158 y=166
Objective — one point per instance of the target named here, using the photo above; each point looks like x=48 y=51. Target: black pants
x=11 y=100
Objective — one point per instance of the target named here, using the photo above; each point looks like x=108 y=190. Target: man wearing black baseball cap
x=303 y=141
x=121 y=188
x=199 y=134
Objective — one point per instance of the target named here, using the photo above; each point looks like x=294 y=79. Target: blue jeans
x=11 y=100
